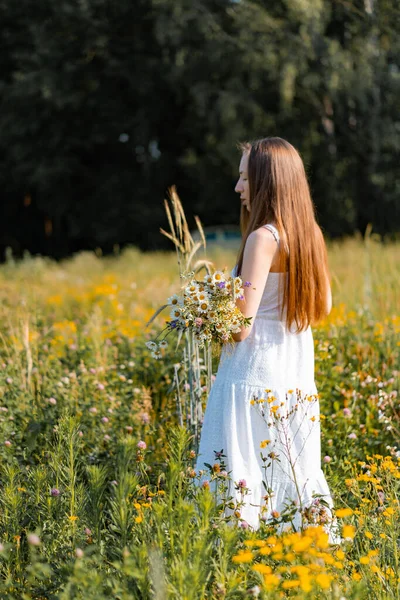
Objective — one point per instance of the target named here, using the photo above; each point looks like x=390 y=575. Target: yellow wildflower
x=340 y=554
x=305 y=584
x=243 y=556
x=343 y=512
x=302 y=544
x=261 y=568
x=324 y=580
x=389 y=511
x=349 y=531
x=270 y=581
x=292 y=583
x=252 y=543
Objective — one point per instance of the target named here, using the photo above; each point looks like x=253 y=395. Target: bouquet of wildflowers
x=206 y=308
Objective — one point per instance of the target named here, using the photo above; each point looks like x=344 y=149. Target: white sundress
x=278 y=366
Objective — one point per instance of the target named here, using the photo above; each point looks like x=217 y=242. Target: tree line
x=104 y=105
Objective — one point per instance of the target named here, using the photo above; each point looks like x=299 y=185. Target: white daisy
x=151 y=345
x=208 y=279
x=175 y=312
x=156 y=354
x=163 y=344
x=192 y=288
x=218 y=276
x=203 y=306
x=175 y=300
x=202 y=297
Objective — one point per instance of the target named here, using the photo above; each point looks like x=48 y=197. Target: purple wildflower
x=247 y=284
x=145 y=418
x=221 y=284
x=33 y=539
x=55 y=492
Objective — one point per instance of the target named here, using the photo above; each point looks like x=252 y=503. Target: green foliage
x=87 y=513
x=106 y=105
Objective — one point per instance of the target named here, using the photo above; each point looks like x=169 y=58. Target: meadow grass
x=98 y=493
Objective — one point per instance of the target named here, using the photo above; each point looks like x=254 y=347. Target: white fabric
x=269 y=358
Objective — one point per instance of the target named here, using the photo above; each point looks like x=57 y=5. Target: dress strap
x=274 y=231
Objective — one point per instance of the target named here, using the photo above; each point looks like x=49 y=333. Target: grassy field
x=98 y=496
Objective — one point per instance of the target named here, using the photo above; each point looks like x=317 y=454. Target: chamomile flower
x=151 y=345
x=163 y=344
x=156 y=354
x=175 y=300
x=192 y=288
x=176 y=313
x=203 y=306
x=218 y=277
x=202 y=297
x=208 y=279
x=237 y=282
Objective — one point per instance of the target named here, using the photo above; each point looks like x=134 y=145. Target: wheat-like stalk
x=179 y=234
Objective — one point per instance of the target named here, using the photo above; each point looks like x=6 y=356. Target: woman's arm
x=323 y=252
x=329 y=294
x=257 y=259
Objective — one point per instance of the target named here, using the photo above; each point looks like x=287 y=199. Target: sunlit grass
x=97 y=487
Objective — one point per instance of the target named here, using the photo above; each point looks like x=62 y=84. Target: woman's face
x=242 y=186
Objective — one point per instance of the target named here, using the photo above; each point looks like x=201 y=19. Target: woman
x=262 y=415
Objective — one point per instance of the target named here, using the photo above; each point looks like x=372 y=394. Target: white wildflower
x=192 y=288
x=218 y=276
x=151 y=345
x=203 y=306
x=175 y=300
x=176 y=313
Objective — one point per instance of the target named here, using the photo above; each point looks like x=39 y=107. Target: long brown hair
x=280 y=195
